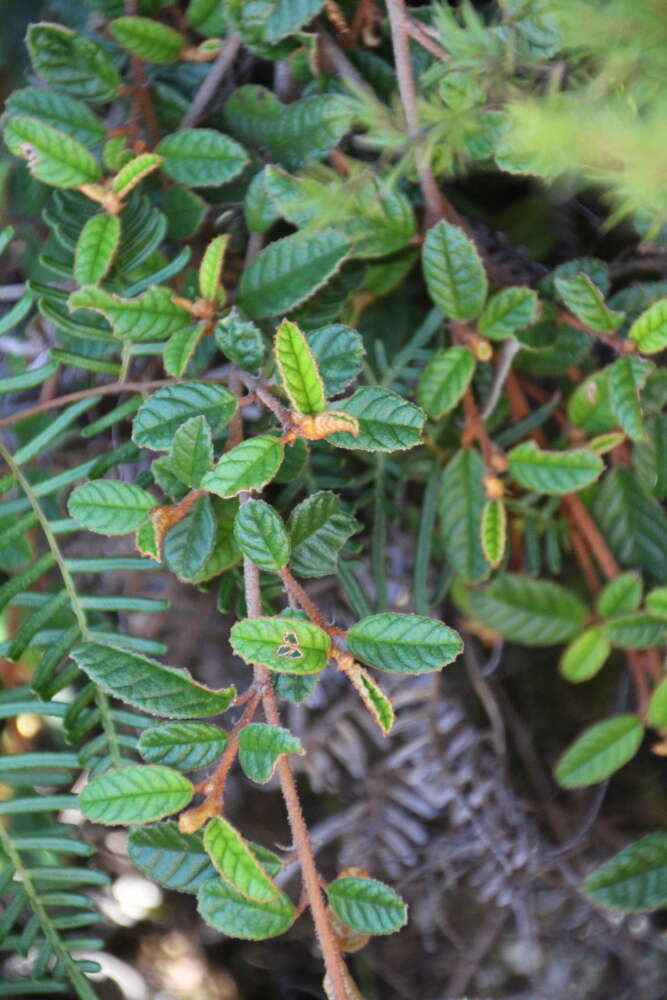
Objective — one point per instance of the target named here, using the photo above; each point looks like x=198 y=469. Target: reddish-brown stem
x=333 y=960
x=475 y=428
x=142 y=102
x=583 y=557
x=621 y=346
x=294 y=588
x=591 y=533
x=641 y=681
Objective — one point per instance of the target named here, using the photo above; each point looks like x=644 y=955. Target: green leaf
x=462 y=501
x=636 y=630
x=494 y=531
x=149 y=685
x=298 y=369
x=240 y=340
x=633 y=522
x=191 y=453
x=185 y=212
x=236 y=862
x=290 y=270
x=373 y=697
x=261 y=535
x=134 y=171
x=366 y=905
x=387 y=422
x=207 y=17
x=176 y=860
x=62 y=112
x=249 y=466
x=293 y=687
x=626 y=377
x=534 y=612
x=53 y=156
x=620 y=595
x=286 y=645
x=184 y=745
x=585 y=655
x=138 y=794
x=454 y=273
x=150 y=40
x=260 y=746
x=656 y=601
x=72 y=63
x=287 y=16
x=110 y=507
x=292 y=133
x=210 y=269
x=589 y=406
x=159 y=417
x=649 y=331
x=444 y=380
x=201 y=157
x=599 y=751
x=507 y=311
x=234 y=915
x=259 y=210
x=635 y=879
x=96 y=248
x=189 y=543
x=406 y=644
x=554 y=472
x=318 y=528
x=226 y=552
x=584 y=299
x=180 y=349
x=656 y=714
x=150 y=316
x=339 y=352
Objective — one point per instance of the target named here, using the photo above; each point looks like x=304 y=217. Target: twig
x=336 y=58
x=294 y=588
x=416 y=31
x=508 y=352
x=211 y=82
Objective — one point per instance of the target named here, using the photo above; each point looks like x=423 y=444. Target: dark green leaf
x=261 y=535
x=367 y=905
x=453 y=271
x=534 y=612
x=635 y=879
x=138 y=794
x=184 y=745
x=174 y=859
x=260 y=746
x=407 y=644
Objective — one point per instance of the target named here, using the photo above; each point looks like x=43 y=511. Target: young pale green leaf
x=149 y=685
x=96 y=248
x=534 y=612
x=635 y=879
x=62 y=112
x=249 y=466
x=554 y=472
x=366 y=905
x=600 y=751
x=318 y=528
x=656 y=602
x=210 y=269
x=191 y=453
x=583 y=297
x=240 y=340
x=150 y=40
x=298 y=369
x=110 y=507
x=636 y=630
x=189 y=543
x=649 y=331
x=601 y=444
x=620 y=595
x=159 y=417
x=585 y=655
x=494 y=531
x=52 y=156
x=150 y=316
x=72 y=63
x=454 y=273
x=183 y=745
x=626 y=377
x=176 y=860
x=589 y=407
x=180 y=348
x=373 y=697
x=138 y=794
x=290 y=270
x=507 y=311
x=387 y=422
x=339 y=352
x=261 y=535
x=444 y=380
x=286 y=645
x=235 y=861
x=405 y=644
x=201 y=157
x=228 y=911
x=260 y=746
x=133 y=172
x=462 y=501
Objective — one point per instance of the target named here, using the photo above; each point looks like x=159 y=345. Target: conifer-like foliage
x=271 y=341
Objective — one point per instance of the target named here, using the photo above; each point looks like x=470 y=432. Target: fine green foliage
x=280 y=304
